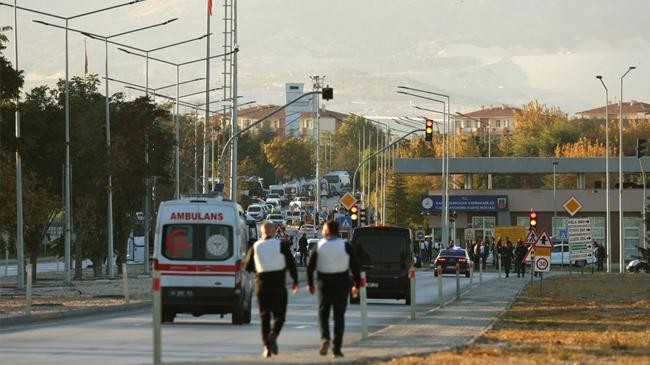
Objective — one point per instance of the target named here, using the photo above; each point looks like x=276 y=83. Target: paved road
x=127 y=338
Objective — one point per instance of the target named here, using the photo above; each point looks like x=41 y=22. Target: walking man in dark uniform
x=520 y=255
x=333 y=259
x=269 y=258
x=506 y=257
x=302 y=249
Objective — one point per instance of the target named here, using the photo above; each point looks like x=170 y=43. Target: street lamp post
x=109 y=260
x=445 y=163
x=555 y=212
x=67 y=173
x=608 y=213
x=621 y=228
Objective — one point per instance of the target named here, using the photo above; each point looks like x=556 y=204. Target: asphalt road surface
x=126 y=338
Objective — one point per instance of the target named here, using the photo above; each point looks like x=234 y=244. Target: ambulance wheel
x=238 y=316
x=168 y=316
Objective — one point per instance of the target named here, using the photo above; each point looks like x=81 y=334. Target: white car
x=560 y=254
x=275 y=202
x=308 y=229
x=256 y=211
x=276 y=218
x=300 y=202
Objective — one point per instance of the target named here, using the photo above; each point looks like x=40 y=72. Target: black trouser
x=520 y=267
x=600 y=264
x=333 y=292
x=272 y=300
x=506 y=265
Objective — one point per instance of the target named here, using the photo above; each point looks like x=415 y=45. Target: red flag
x=210 y=7
x=85 y=59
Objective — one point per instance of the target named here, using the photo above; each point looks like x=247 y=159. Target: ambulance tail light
x=462 y=260
x=154 y=264
x=238 y=274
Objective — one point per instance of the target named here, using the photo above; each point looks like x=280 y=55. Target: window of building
x=632 y=234
x=484 y=227
x=498 y=124
x=523 y=221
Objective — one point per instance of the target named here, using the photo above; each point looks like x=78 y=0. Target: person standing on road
x=302 y=249
x=601 y=254
x=520 y=255
x=506 y=257
x=333 y=259
x=270 y=258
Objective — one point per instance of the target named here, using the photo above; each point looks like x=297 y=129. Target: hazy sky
x=481 y=52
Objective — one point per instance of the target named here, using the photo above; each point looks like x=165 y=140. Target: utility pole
x=20 y=265
x=316 y=99
x=233 y=118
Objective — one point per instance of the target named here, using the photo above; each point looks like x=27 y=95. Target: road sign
x=563 y=235
x=531 y=237
x=544 y=240
x=280 y=233
x=542 y=264
x=419 y=235
x=348 y=200
x=580 y=239
x=572 y=206
x=345 y=222
x=530 y=255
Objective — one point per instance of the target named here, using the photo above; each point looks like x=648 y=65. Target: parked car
x=299 y=202
x=557 y=257
x=276 y=218
x=447 y=260
x=256 y=211
x=309 y=230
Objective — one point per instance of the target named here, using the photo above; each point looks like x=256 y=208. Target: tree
x=291 y=157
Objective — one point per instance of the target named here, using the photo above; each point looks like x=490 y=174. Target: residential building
x=632 y=110
x=500 y=119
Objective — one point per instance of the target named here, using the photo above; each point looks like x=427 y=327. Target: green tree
x=291 y=157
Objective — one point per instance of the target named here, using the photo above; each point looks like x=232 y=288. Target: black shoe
x=337 y=353
x=273 y=344
x=266 y=353
x=324 y=346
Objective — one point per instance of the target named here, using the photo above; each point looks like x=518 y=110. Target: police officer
x=269 y=258
x=333 y=259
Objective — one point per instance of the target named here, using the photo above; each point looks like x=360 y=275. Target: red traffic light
x=533 y=215
x=354 y=212
x=428 y=130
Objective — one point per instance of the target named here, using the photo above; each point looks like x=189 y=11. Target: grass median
x=577 y=319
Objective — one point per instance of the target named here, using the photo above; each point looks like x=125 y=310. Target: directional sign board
x=580 y=239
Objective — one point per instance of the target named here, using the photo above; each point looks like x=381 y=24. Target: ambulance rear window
x=197 y=242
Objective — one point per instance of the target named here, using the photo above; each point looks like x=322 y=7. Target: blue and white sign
x=465 y=203
x=345 y=222
x=563 y=235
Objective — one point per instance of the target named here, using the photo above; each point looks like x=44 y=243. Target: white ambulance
x=200 y=246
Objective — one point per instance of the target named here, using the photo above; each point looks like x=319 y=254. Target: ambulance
x=200 y=245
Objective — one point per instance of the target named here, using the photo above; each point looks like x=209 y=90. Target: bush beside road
x=585 y=319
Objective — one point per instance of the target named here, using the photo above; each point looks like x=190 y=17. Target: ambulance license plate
x=372 y=285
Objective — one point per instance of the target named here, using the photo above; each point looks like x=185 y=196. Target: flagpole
x=207 y=98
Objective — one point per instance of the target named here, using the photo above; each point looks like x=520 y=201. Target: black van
x=385 y=254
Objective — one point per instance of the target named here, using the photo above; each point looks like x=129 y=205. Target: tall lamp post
x=67 y=197
x=109 y=261
x=608 y=212
x=445 y=165
x=621 y=228
x=555 y=212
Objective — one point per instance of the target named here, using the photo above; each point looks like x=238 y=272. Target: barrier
x=28 y=293
x=363 y=302
x=412 y=294
x=457 y=281
x=125 y=283
x=157 y=314
x=441 y=293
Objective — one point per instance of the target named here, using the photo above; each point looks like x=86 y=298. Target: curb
x=73 y=313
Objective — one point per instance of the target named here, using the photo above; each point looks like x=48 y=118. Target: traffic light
x=428 y=130
x=328 y=93
x=363 y=217
x=641 y=147
x=354 y=215
x=532 y=219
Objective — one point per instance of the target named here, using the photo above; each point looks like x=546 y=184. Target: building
x=330 y=121
x=480 y=211
x=632 y=110
x=500 y=119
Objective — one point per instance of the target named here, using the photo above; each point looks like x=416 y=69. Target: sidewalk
x=456 y=325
